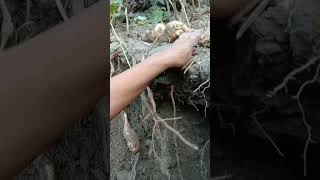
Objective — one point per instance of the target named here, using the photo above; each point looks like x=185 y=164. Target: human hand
x=182 y=49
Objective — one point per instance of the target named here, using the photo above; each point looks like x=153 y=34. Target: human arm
x=126 y=86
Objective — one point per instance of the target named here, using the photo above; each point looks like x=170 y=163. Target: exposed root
x=185 y=12
x=189 y=64
x=309 y=135
x=193 y=103
x=61 y=9
x=130 y=135
x=127 y=20
x=205 y=99
x=234 y=20
x=202 y=84
x=203 y=171
x=134 y=165
x=28 y=7
x=254 y=118
x=7 y=26
x=223 y=177
x=263 y=4
x=292 y=74
x=175 y=126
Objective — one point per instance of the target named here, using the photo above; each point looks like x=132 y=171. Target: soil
x=194 y=164
x=284 y=37
x=81 y=153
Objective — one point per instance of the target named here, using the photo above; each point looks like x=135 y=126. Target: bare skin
x=125 y=87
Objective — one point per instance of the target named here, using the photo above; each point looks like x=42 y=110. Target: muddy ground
x=283 y=38
x=190 y=106
x=80 y=154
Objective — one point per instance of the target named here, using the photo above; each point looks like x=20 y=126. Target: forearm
x=125 y=87
x=47 y=83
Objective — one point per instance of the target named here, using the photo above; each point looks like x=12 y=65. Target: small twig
x=308 y=140
x=292 y=74
x=120 y=42
x=127 y=20
x=252 y=18
x=62 y=10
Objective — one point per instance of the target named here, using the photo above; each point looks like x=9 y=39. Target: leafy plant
x=159 y=14
x=115 y=9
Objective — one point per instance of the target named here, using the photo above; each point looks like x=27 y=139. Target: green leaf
x=156 y=16
x=113 y=8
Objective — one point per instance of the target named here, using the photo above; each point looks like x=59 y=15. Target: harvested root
x=130 y=136
x=169 y=32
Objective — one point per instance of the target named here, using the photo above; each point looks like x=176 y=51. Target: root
x=253 y=116
x=223 y=177
x=151 y=106
x=175 y=126
x=28 y=7
x=204 y=172
x=61 y=9
x=234 y=20
x=263 y=4
x=309 y=135
x=185 y=13
x=120 y=43
x=127 y=20
x=292 y=74
x=202 y=84
x=134 y=164
x=188 y=65
x=205 y=99
x=193 y=103
x=7 y=26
